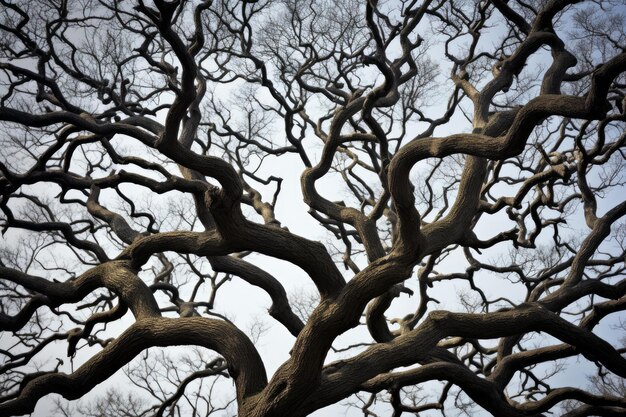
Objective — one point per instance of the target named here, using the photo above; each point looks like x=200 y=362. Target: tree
x=468 y=153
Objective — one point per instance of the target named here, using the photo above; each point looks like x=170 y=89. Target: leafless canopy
x=468 y=153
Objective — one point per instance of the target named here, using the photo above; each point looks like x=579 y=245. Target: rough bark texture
x=462 y=155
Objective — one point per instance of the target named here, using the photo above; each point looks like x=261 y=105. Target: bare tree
x=467 y=153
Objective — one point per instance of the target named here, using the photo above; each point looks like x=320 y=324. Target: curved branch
x=244 y=363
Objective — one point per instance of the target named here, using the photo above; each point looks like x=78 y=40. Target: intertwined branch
x=467 y=145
